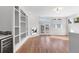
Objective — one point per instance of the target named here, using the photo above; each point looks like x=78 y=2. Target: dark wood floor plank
x=45 y=44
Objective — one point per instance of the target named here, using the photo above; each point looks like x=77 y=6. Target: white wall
x=33 y=21
x=54 y=30
x=6 y=17
x=45 y=21
x=63 y=29
x=74 y=27
x=49 y=11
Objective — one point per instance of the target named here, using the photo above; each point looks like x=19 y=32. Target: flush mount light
x=58 y=9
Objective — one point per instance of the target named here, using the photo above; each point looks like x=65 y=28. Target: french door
x=45 y=29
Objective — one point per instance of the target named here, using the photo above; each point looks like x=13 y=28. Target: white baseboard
x=20 y=44
x=24 y=40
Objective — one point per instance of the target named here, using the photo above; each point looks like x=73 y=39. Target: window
x=58 y=25
x=59 y=19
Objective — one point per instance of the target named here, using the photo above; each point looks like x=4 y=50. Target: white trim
x=24 y=40
x=33 y=35
x=13 y=31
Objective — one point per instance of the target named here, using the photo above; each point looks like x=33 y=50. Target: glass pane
x=16 y=31
x=16 y=18
x=16 y=39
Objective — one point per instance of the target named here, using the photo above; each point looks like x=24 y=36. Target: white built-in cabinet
x=20 y=27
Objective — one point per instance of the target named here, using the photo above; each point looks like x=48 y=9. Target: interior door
x=42 y=29
x=56 y=27
x=45 y=29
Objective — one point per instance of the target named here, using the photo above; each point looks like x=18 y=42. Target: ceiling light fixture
x=58 y=9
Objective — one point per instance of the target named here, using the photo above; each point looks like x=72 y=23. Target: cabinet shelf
x=22 y=12
x=20 y=26
x=16 y=26
x=23 y=32
x=23 y=22
x=16 y=35
x=16 y=31
x=16 y=40
x=17 y=10
x=16 y=18
x=23 y=16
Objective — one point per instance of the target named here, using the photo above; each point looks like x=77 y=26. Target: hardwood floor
x=45 y=44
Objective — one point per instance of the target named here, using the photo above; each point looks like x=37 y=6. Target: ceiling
x=49 y=10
